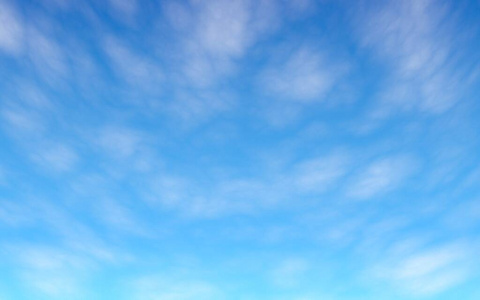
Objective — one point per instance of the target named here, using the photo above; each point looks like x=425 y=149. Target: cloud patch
x=11 y=30
x=417 y=41
x=304 y=75
x=381 y=176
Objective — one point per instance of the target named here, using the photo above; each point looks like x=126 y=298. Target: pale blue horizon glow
x=239 y=149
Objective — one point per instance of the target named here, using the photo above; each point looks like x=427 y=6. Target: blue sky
x=239 y=149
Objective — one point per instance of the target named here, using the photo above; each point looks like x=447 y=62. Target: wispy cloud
x=18 y=120
x=418 y=43
x=120 y=217
x=124 y=10
x=50 y=272
x=222 y=33
x=304 y=75
x=47 y=56
x=289 y=272
x=428 y=272
x=192 y=200
x=136 y=69
x=382 y=176
x=57 y=157
x=195 y=107
x=130 y=131
x=215 y=197
x=119 y=142
x=11 y=30
x=320 y=174
x=25 y=110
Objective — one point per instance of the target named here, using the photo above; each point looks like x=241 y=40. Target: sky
x=239 y=149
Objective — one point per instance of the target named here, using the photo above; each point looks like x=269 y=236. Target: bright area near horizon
x=239 y=149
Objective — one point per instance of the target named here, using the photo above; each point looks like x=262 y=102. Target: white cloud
x=289 y=273
x=190 y=199
x=343 y=232
x=215 y=34
x=124 y=9
x=134 y=68
x=26 y=112
x=425 y=263
x=14 y=214
x=223 y=27
x=19 y=120
x=169 y=191
x=416 y=40
x=210 y=39
x=48 y=57
x=428 y=272
x=302 y=76
x=381 y=176
x=320 y=174
x=120 y=217
x=59 y=285
x=79 y=237
x=32 y=97
x=127 y=150
x=55 y=271
x=178 y=15
x=193 y=108
x=57 y=157
x=11 y=30
x=58 y=4
x=228 y=28
x=236 y=195
x=52 y=272
x=301 y=6
x=119 y=142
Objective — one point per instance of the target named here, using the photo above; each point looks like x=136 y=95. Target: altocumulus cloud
x=239 y=149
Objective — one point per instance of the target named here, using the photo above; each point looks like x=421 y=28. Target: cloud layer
x=249 y=149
